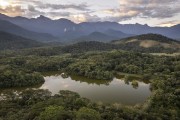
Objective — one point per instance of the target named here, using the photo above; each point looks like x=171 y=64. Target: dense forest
x=10 y=78
x=24 y=69
x=96 y=65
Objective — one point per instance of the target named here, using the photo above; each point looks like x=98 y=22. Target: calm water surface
x=115 y=91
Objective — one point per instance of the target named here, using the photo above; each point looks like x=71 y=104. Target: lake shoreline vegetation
x=163 y=72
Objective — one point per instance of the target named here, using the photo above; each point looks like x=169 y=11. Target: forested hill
x=13 y=42
x=88 y=46
x=155 y=37
x=11 y=28
x=148 y=43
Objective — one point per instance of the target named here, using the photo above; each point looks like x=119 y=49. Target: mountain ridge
x=9 y=27
x=58 y=26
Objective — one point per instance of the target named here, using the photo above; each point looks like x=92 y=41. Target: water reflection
x=16 y=90
x=91 y=81
x=99 y=90
x=107 y=91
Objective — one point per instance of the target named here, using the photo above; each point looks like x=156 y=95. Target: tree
x=87 y=114
x=134 y=84
x=53 y=113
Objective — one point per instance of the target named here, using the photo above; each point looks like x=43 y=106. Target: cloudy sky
x=151 y=12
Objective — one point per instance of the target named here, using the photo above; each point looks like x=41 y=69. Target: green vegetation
x=13 y=42
x=9 y=78
x=19 y=68
x=40 y=105
x=96 y=65
x=87 y=114
x=53 y=112
x=149 y=43
x=151 y=36
x=134 y=84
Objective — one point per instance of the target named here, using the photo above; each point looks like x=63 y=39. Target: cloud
x=34 y=8
x=43 y=5
x=33 y=12
x=80 y=7
x=161 y=8
x=12 y=10
x=169 y=23
x=84 y=18
x=129 y=9
x=81 y=12
x=54 y=11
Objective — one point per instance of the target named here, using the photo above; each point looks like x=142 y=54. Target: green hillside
x=13 y=42
x=148 y=43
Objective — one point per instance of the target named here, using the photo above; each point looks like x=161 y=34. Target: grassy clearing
x=165 y=54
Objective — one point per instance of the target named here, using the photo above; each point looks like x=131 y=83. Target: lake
x=107 y=91
x=115 y=91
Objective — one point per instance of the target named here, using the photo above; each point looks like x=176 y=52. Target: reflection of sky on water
x=114 y=91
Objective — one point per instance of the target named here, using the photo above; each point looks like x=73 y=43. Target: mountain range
x=63 y=30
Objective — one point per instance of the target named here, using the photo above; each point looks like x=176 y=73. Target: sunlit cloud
x=4 y=4
x=12 y=10
x=169 y=23
x=80 y=11
x=84 y=17
x=129 y=9
x=8 y=7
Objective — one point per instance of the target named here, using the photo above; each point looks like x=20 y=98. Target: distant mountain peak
x=20 y=18
x=146 y=25
x=41 y=17
x=64 y=20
